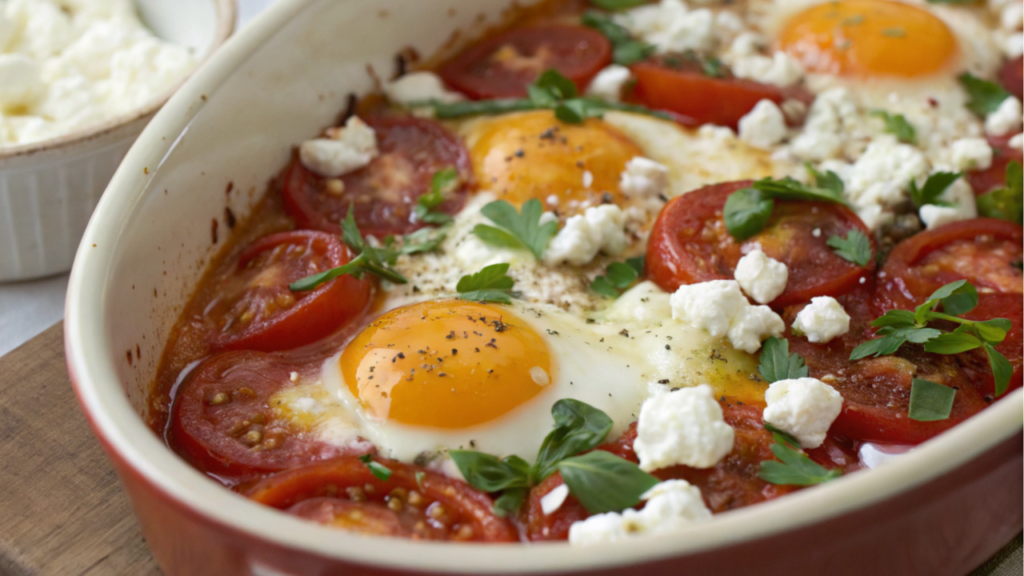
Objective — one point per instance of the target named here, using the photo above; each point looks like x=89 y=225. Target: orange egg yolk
x=862 y=38
x=534 y=155
x=447 y=364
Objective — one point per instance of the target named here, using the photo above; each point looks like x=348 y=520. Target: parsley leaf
x=617 y=278
x=380 y=471
x=777 y=363
x=490 y=284
x=984 y=97
x=423 y=240
x=854 y=248
x=898 y=126
x=930 y=401
x=1006 y=203
x=746 y=212
x=933 y=187
x=793 y=467
x=518 y=229
x=625 y=49
x=829 y=180
x=444 y=182
x=604 y=482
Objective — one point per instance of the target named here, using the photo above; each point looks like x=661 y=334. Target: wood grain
x=62 y=509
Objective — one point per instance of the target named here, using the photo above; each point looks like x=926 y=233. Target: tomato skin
x=315 y=314
x=698 y=98
x=382 y=194
x=689 y=244
x=984 y=181
x=1011 y=75
x=330 y=478
x=212 y=435
x=577 y=52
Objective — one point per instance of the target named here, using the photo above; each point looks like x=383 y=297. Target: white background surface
x=28 y=308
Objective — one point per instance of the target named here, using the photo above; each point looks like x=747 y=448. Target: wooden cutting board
x=62 y=510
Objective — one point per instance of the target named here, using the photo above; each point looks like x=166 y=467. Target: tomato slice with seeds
x=984 y=181
x=424 y=504
x=502 y=66
x=690 y=244
x=686 y=90
x=1011 y=75
x=222 y=422
x=986 y=252
x=257 y=310
x=384 y=193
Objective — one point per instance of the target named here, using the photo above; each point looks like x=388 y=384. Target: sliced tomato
x=257 y=311
x=222 y=421
x=383 y=194
x=1012 y=76
x=984 y=181
x=690 y=244
x=372 y=518
x=502 y=66
x=451 y=508
x=684 y=89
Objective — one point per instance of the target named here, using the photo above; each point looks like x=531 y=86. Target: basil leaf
x=746 y=212
x=631 y=51
x=487 y=473
x=854 y=248
x=578 y=427
x=491 y=284
x=897 y=125
x=525 y=226
x=993 y=331
x=952 y=343
x=776 y=362
x=553 y=81
x=379 y=471
x=637 y=263
x=957 y=298
x=617 y=4
x=509 y=501
x=984 y=97
x=1002 y=370
x=930 y=401
x=572 y=111
x=541 y=97
x=603 y=286
x=933 y=187
x=1005 y=203
x=794 y=468
x=603 y=482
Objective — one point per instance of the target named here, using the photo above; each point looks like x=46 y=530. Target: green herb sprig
x=793 y=467
x=747 y=211
x=614 y=5
x=898 y=327
x=855 y=248
x=984 y=97
x=625 y=49
x=898 y=126
x=443 y=182
x=491 y=284
x=933 y=187
x=930 y=401
x=1006 y=203
x=778 y=364
x=380 y=471
x=518 y=229
x=618 y=277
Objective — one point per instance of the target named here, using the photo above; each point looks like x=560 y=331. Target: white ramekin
x=48 y=189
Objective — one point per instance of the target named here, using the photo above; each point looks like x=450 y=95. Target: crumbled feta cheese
x=882 y=175
x=343 y=151
x=599 y=229
x=671 y=505
x=1017 y=141
x=780 y=69
x=1013 y=46
x=645 y=181
x=417 y=88
x=761 y=277
x=970 y=154
x=670 y=26
x=829 y=119
x=20 y=81
x=802 y=407
x=822 y=320
x=764 y=126
x=1006 y=119
x=553 y=500
x=753 y=325
x=716 y=132
x=720 y=308
x=962 y=206
x=609 y=82
x=682 y=427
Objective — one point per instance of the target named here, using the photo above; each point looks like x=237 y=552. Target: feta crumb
x=1006 y=119
x=804 y=408
x=293 y=377
x=879 y=180
x=970 y=154
x=1013 y=45
x=670 y=26
x=1017 y=141
x=344 y=150
x=753 y=325
x=671 y=505
x=720 y=308
x=609 y=82
x=962 y=206
x=822 y=320
x=761 y=277
x=599 y=229
x=20 y=81
x=552 y=501
x=418 y=88
x=780 y=69
x=644 y=178
x=829 y=119
x=934 y=216
x=682 y=427
x=764 y=126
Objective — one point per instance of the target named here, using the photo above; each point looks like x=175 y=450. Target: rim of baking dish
x=226 y=12
x=91 y=363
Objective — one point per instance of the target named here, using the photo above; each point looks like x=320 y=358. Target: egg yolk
x=446 y=364
x=534 y=155
x=862 y=38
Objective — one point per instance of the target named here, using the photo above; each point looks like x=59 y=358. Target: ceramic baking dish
x=943 y=508
x=48 y=189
